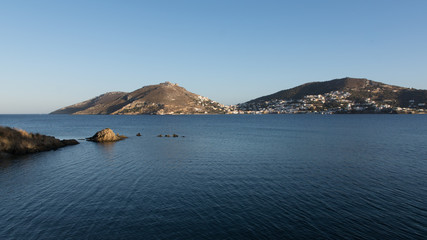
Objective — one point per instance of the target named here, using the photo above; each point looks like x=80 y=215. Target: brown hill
x=100 y=104
x=360 y=89
x=163 y=98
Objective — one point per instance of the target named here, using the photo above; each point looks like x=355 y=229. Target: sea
x=224 y=177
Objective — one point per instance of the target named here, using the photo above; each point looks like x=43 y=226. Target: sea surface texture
x=230 y=177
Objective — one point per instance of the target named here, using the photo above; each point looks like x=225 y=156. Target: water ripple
x=231 y=177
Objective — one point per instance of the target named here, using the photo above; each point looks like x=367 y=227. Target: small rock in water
x=70 y=142
x=138 y=134
x=167 y=135
x=106 y=135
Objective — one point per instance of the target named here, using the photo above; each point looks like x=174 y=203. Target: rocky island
x=106 y=135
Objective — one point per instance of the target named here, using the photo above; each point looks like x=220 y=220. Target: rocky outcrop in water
x=17 y=141
x=168 y=135
x=106 y=135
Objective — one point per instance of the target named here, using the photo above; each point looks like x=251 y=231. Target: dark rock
x=68 y=142
x=174 y=135
x=138 y=134
x=160 y=135
x=106 y=135
x=167 y=135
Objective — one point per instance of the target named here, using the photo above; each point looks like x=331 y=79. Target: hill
x=163 y=98
x=360 y=89
x=345 y=95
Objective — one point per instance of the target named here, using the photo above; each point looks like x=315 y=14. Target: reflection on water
x=106 y=149
x=8 y=160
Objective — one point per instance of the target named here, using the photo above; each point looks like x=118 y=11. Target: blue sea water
x=230 y=177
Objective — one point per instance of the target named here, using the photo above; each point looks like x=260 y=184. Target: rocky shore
x=18 y=142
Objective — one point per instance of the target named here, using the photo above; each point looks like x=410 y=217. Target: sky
x=57 y=53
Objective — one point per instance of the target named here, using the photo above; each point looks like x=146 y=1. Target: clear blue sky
x=57 y=53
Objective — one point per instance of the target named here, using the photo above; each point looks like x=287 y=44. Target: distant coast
x=338 y=96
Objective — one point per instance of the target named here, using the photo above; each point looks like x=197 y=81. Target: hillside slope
x=163 y=98
x=359 y=88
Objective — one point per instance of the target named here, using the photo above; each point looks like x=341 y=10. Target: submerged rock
x=17 y=141
x=138 y=134
x=106 y=135
x=174 y=135
x=160 y=135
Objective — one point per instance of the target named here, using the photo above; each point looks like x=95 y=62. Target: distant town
x=335 y=102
